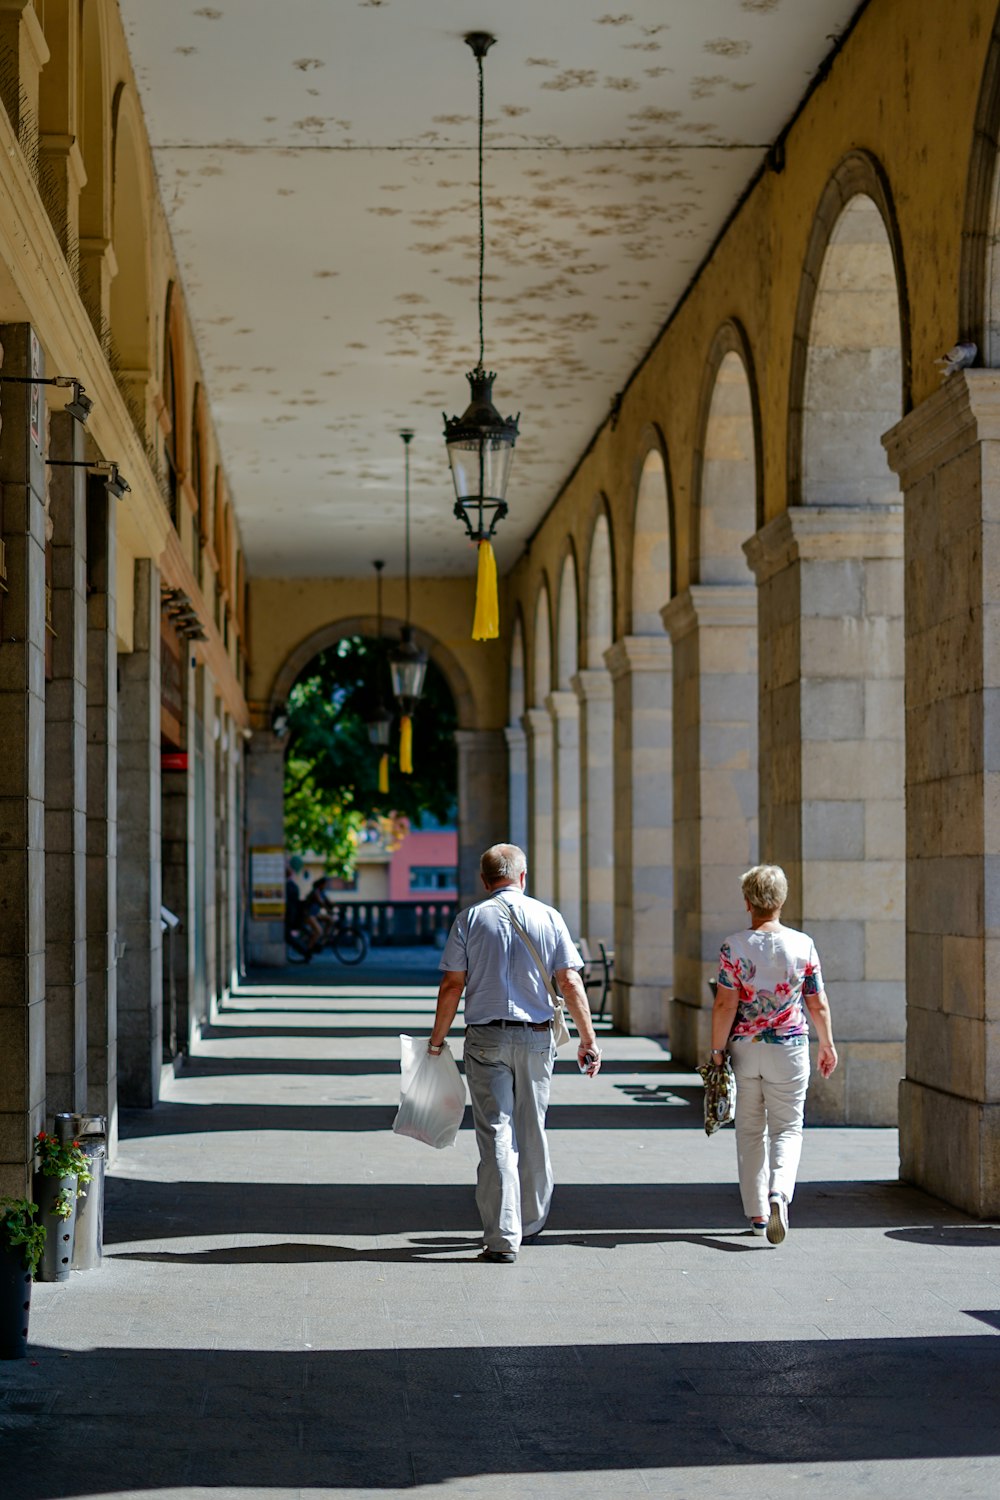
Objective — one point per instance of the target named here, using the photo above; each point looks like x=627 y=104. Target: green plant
x=18 y=1229
x=58 y=1158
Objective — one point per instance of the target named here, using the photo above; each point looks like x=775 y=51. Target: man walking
x=509 y=1051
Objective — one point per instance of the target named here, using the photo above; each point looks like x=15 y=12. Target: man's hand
x=589 y=1058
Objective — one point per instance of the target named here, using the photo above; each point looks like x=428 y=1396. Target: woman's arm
x=818 y=1007
x=724 y=1011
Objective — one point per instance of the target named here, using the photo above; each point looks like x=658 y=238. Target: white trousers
x=509 y=1071
x=771 y=1084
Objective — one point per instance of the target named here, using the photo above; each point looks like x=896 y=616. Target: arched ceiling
x=317 y=162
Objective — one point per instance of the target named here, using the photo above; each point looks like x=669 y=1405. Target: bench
x=598 y=967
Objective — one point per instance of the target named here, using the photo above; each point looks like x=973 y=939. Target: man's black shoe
x=500 y=1257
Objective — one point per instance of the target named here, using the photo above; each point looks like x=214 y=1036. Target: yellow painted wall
x=905 y=89
x=285 y=613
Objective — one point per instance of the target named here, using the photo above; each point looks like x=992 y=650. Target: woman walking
x=766 y=977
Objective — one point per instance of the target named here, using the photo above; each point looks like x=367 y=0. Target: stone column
x=482 y=803
x=102 y=808
x=714 y=632
x=831 y=776
x=235 y=772
x=517 y=785
x=22 y=762
x=564 y=711
x=643 y=811
x=177 y=862
x=537 y=725
x=597 y=822
x=213 y=733
x=265 y=791
x=66 y=780
x=140 y=970
x=947 y=455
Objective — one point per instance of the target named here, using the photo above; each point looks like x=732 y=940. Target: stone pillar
x=265 y=792
x=234 y=824
x=140 y=970
x=947 y=455
x=517 y=785
x=643 y=811
x=482 y=803
x=831 y=776
x=213 y=733
x=102 y=808
x=177 y=861
x=714 y=632
x=597 y=821
x=22 y=762
x=564 y=711
x=537 y=725
x=66 y=780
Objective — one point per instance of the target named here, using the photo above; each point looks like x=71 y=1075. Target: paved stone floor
x=291 y=1306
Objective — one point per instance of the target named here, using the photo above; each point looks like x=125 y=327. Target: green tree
x=331 y=767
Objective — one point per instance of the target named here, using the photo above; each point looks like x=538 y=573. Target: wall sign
x=267 y=883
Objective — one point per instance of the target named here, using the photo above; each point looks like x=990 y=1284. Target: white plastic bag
x=432 y=1094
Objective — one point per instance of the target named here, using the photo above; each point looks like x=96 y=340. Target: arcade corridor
x=291 y=1303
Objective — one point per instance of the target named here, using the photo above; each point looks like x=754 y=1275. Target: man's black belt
x=532 y=1025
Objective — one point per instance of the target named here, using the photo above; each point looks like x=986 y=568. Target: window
x=433 y=877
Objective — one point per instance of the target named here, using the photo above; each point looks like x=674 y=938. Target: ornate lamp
x=407 y=663
x=379 y=723
x=480 y=442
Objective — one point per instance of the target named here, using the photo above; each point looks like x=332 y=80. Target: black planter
x=15 y=1300
x=58 y=1258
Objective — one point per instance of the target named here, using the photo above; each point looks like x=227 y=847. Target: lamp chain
x=482 y=219
x=406 y=454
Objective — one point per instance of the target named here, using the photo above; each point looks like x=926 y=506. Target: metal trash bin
x=92 y=1133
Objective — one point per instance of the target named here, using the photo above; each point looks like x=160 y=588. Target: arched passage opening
x=538 y=732
x=713 y=625
x=129 y=296
x=640 y=669
x=593 y=689
x=564 y=710
x=477 y=767
x=830 y=576
x=517 y=756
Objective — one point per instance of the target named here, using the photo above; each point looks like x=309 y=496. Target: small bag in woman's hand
x=720 y=1094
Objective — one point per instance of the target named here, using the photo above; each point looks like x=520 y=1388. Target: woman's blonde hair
x=765 y=887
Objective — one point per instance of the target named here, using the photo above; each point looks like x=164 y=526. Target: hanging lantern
x=480 y=442
x=379 y=722
x=407 y=663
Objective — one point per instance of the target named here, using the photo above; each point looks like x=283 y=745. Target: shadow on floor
x=395 y=1418
x=140 y=1210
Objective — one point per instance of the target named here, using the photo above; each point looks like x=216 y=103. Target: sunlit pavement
x=291 y=1304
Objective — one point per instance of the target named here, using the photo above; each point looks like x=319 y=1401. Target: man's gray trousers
x=509 y=1071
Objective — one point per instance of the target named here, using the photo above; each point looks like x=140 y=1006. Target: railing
x=400 y=924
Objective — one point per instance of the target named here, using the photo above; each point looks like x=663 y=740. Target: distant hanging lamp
x=379 y=725
x=407 y=663
x=480 y=442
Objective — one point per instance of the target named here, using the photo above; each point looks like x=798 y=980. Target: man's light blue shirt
x=502 y=979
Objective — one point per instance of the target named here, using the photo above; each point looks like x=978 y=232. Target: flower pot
x=58 y=1257
x=15 y=1300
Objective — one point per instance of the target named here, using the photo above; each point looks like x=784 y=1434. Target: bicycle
x=346 y=940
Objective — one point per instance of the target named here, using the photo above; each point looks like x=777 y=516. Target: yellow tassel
x=486 y=625
x=383 y=774
x=406 y=745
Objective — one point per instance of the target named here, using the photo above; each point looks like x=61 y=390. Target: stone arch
x=93 y=120
x=850 y=377
x=567 y=650
x=131 y=197
x=593 y=686
x=517 y=676
x=328 y=635
x=652 y=580
x=517 y=754
x=600 y=592
x=979 y=276
x=541 y=647
x=727 y=467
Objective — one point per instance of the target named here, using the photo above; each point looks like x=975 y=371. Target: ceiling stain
x=724 y=46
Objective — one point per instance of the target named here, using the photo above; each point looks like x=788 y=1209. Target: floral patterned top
x=770 y=972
